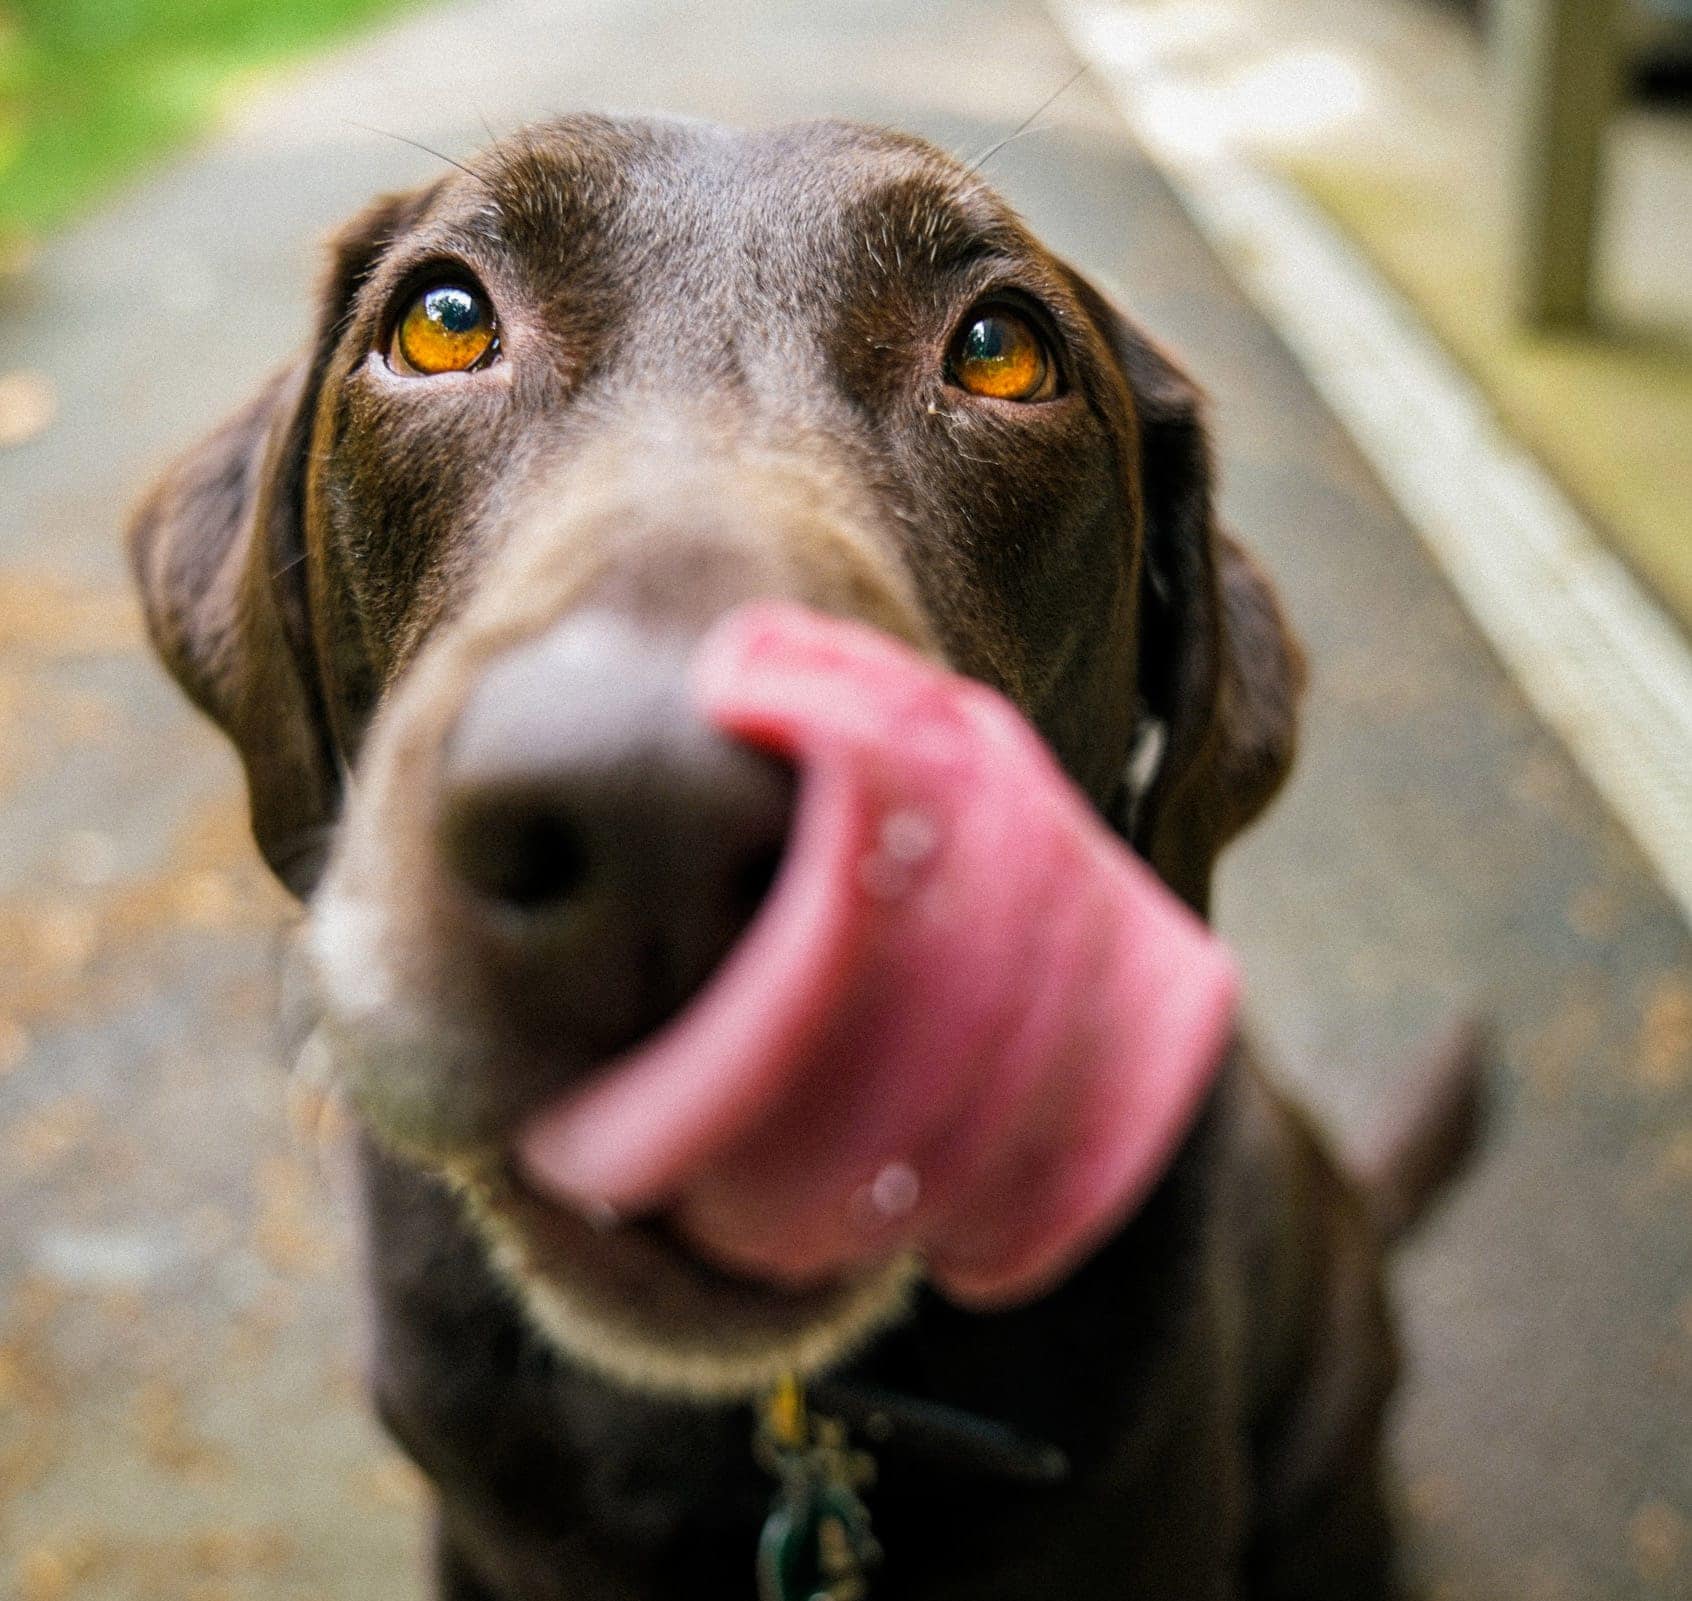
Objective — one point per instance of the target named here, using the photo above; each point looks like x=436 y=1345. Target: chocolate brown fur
x=723 y=376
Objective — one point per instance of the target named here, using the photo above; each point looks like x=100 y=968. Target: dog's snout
x=614 y=843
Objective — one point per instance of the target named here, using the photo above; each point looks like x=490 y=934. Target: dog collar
x=817 y=1543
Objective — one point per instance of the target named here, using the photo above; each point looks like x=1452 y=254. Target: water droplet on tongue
x=909 y=836
x=905 y=840
x=896 y=1190
x=890 y=1196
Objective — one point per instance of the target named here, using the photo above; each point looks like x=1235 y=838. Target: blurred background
x=1434 y=264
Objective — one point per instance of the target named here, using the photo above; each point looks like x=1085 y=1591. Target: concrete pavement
x=179 y=1347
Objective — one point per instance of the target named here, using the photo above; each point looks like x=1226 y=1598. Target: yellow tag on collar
x=784 y=1414
x=816 y=1543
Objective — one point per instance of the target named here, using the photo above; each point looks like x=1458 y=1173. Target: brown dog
x=439 y=583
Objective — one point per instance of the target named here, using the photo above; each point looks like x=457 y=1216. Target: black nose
x=615 y=844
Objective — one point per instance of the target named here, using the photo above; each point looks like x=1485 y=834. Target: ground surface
x=179 y=1347
x=1392 y=116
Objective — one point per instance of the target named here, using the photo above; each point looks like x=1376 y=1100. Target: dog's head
x=441 y=580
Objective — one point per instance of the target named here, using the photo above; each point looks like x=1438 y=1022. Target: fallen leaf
x=27 y=406
x=1665 y=1035
x=14 y=1044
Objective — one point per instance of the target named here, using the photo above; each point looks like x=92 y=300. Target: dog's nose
x=615 y=844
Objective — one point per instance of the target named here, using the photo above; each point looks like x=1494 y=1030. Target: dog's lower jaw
x=668 y=1335
x=659 y=1323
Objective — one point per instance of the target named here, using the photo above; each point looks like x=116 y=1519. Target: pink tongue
x=967 y=1019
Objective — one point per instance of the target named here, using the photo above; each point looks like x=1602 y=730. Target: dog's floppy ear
x=1220 y=672
x=219 y=549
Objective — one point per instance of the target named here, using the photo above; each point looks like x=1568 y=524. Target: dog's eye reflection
x=447 y=328
x=998 y=355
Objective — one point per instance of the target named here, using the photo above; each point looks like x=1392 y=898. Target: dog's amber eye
x=449 y=328
x=997 y=354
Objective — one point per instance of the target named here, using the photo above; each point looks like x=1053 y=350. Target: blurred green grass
x=92 y=90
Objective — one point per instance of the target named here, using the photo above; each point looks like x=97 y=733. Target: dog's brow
x=545 y=182
x=486 y=223
x=943 y=224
